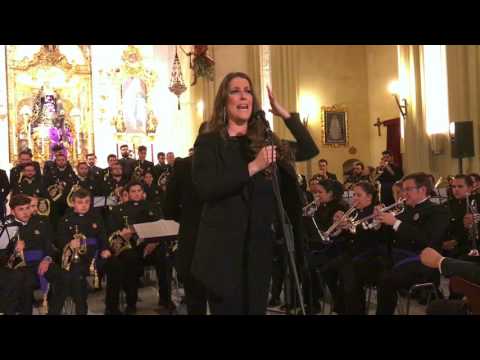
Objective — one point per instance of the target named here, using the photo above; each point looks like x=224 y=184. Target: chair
x=414 y=288
x=470 y=290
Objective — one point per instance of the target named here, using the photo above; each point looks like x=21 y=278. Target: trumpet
x=70 y=255
x=369 y=222
x=310 y=208
x=350 y=216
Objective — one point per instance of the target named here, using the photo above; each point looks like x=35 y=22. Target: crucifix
x=378 y=124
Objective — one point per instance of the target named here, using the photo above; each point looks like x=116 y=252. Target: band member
x=323 y=171
x=183 y=205
x=94 y=170
x=124 y=266
x=422 y=224
x=387 y=173
x=40 y=207
x=24 y=157
x=114 y=182
x=51 y=164
x=4 y=191
x=475 y=182
x=152 y=191
x=142 y=165
x=111 y=159
x=235 y=233
x=457 y=244
x=30 y=254
x=364 y=258
x=128 y=164
x=58 y=182
x=161 y=165
x=30 y=183
x=328 y=194
x=356 y=176
x=80 y=236
x=170 y=161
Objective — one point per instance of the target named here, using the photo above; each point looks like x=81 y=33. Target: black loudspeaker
x=461 y=139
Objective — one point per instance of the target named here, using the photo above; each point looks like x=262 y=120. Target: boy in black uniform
x=422 y=224
x=34 y=252
x=142 y=165
x=152 y=190
x=123 y=268
x=81 y=238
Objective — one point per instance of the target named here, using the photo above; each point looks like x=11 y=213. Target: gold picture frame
x=334 y=126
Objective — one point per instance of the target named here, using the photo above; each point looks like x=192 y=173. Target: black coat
x=221 y=177
x=183 y=205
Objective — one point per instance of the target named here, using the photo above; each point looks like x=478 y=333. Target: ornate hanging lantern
x=177 y=85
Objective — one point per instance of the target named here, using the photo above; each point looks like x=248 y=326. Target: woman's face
x=361 y=199
x=323 y=196
x=239 y=101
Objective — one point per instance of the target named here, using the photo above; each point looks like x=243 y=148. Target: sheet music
x=158 y=228
x=112 y=201
x=9 y=233
x=99 y=201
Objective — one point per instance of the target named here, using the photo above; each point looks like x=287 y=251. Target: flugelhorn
x=117 y=242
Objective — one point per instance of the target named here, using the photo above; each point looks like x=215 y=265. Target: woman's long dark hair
x=256 y=129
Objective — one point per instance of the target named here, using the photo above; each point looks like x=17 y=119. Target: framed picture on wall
x=335 y=126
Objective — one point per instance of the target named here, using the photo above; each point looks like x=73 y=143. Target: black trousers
x=278 y=270
x=10 y=281
x=163 y=267
x=122 y=273
x=27 y=282
x=71 y=283
x=401 y=278
x=355 y=274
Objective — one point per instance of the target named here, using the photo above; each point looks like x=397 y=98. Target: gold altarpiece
x=48 y=73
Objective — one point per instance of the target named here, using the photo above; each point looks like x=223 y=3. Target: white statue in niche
x=134 y=105
x=335 y=129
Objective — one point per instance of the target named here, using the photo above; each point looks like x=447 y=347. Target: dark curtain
x=393 y=139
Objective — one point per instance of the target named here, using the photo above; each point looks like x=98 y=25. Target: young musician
x=82 y=239
x=30 y=253
x=387 y=173
x=125 y=264
x=142 y=165
x=365 y=255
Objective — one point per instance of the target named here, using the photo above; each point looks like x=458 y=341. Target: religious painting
x=49 y=100
x=335 y=126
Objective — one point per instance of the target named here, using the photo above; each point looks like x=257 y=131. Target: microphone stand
x=286 y=225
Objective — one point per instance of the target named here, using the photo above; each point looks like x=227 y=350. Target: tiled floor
x=148 y=303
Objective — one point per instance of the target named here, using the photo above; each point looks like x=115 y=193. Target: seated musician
x=422 y=224
x=457 y=244
x=80 y=236
x=356 y=175
x=30 y=254
x=364 y=258
x=129 y=254
x=329 y=195
x=151 y=189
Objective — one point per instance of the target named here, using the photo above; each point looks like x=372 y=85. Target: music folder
x=8 y=233
x=157 y=229
x=99 y=201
